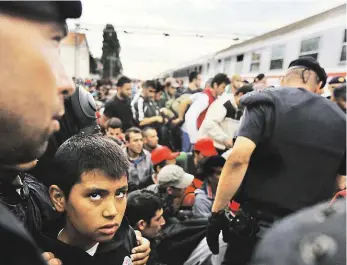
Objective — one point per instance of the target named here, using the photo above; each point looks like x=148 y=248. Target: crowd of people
x=156 y=172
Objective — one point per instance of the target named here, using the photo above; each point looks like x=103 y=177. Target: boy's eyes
x=121 y=194
x=95 y=196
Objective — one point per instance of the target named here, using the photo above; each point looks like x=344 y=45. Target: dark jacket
x=115 y=252
x=30 y=204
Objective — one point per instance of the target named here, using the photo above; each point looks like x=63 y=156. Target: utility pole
x=77 y=29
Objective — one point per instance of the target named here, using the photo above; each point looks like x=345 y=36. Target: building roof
x=341 y=9
x=72 y=37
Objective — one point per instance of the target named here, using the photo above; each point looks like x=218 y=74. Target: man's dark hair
x=114 y=123
x=340 y=92
x=87 y=153
x=244 y=90
x=122 y=81
x=219 y=79
x=131 y=130
x=259 y=77
x=212 y=162
x=192 y=76
x=142 y=205
x=161 y=165
x=149 y=83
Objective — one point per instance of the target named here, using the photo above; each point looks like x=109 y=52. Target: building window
x=255 y=64
x=310 y=47
x=277 y=56
x=343 y=51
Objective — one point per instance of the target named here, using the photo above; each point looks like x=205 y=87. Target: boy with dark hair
x=90 y=187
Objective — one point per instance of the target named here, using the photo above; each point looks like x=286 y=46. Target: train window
x=343 y=52
x=310 y=47
x=277 y=56
x=255 y=64
x=239 y=58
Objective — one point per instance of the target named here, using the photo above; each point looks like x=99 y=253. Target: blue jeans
x=186 y=145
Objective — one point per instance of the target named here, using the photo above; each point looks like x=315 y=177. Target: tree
x=112 y=65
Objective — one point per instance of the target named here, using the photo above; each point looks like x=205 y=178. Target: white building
x=74 y=53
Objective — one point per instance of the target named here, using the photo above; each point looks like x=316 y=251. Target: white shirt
x=199 y=104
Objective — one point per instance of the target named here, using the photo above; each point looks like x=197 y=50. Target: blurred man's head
x=32 y=76
x=89 y=185
x=236 y=82
x=162 y=156
x=204 y=148
x=340 y=96
x=134 y=141
x=195 y=79
x=149 y=89
x=114 y=128
x=240 y=92
x=171 y=86
x=218 y=84
x=334 y=83
x=212 y=169
x=145 y=213
x=305 y=72
x=124 y=89
x=150 y=138
x=174 y=180
x=260 y=82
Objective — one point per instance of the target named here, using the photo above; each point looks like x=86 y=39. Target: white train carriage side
x=322 y=36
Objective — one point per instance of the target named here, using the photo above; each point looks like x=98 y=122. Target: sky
x=146 y=52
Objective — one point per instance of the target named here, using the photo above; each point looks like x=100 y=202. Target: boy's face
x=95 y=207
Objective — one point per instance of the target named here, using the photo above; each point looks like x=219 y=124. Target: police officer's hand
x=217 y=223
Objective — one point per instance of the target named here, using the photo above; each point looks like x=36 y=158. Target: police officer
x=288 y=154
x=334 y=83
x=33 y=85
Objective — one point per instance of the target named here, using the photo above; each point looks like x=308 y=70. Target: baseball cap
x=174 y=176
x=312 y=64
x=205 y=147
x=162 y=153
x=172 y=81
x=337 y=80
x=43 y=10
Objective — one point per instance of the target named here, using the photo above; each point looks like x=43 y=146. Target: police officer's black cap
x=312 y=64
x=50 y=11
x=337 y=80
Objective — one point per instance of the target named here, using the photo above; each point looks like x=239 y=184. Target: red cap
x=205 y=147
x=162 y=153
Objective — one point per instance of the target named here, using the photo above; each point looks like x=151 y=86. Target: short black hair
x=244 y=90
x=219 y=79
x=259 y=77
x=87 y=153
x=114 y=123
x=131 y=130
x=161 y=165
x=340 y=92
x=193 y=75
x=142 y=205
x=149 y=83
x=212 y=162
x=122 y=81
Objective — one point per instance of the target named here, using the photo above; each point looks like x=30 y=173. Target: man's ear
x=58 y=198
x=141 y=225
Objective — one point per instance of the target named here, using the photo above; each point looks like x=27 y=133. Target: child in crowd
x=90 y=190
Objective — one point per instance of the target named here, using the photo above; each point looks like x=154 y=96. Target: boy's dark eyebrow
x=124 y=188
x=96 y=189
